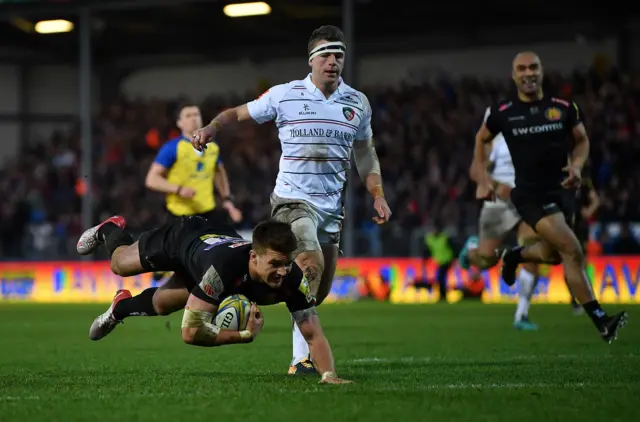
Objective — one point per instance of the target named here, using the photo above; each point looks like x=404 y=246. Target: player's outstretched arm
x=223 y=121
x=198 y=328
x=310 y=327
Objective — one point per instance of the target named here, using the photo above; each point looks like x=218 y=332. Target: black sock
x=595 y=312
x=114 y=237
x=515 y=255
x=140 y=305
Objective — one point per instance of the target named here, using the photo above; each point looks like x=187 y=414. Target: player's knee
x=121 y=261
x=162 y=308
x=574 y=255
x=116 y=265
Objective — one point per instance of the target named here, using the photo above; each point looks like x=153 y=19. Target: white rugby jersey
x=317 y=136
x=503 y=170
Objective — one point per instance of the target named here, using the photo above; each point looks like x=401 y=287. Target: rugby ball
x=233 y=313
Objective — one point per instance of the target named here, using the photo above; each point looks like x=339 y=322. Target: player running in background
x=320 y=120
x=497 y=218
x=187 y=177
x=587 y=204
x=539 y=130
x=212 y=262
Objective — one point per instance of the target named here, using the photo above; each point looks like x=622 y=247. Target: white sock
x=300 y=346
x=526 y=284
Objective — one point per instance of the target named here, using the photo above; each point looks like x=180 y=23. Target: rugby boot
x=89 y=240
x=106 y=322
x=609 y=328
x=463 y=256
x=525 y=325
x=510 y=262
x=304 y=367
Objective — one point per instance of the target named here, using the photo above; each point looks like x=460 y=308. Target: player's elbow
x=151 y=181
x=189 y=335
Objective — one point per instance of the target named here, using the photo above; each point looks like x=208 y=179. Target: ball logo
x=552 y=114
x=228 y=319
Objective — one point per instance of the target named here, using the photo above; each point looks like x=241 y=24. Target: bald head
x=525 y=57
x=527 y=73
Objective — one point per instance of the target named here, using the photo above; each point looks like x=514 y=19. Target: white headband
x=330 y=47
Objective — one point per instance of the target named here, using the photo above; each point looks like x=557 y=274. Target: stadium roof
x=136 y=29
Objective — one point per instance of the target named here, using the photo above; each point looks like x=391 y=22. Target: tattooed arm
x=309 y=324
x=302 y=308
x=312 y=275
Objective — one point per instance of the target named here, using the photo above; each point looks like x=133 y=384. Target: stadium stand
x=424 y=137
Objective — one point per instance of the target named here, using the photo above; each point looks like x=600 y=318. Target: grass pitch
x=459 y=362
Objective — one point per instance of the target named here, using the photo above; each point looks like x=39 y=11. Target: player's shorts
x=312 y=226
x=497 y=220
x=166 y=248
x=216 y=215
x=534 y=206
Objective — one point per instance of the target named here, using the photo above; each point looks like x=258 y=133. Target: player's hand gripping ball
x=233 y=313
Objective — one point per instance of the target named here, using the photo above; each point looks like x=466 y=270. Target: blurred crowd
x=424 y=136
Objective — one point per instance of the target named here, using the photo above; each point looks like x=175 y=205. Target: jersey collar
x=314 y=89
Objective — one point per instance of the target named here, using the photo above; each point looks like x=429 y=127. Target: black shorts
x=166 y=248
x=216 y=215
x=534 y=206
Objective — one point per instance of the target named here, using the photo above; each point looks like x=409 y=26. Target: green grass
x=459 y=362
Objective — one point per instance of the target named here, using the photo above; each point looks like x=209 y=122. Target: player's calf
x=483 y=260
x=556 y=232
x=312 y=265
x=481 y=253
x=535 y=251
x=330 y=260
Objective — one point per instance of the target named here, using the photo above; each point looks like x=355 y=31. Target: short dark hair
x=325 y=32
x=274 y=235
x=182 y=106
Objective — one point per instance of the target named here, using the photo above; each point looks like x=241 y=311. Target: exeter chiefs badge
x=553 y=114
x=349 y=114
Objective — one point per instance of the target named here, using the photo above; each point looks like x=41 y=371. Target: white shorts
x=497 y=220
x=312 y=226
